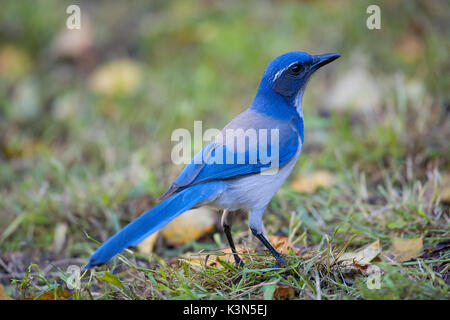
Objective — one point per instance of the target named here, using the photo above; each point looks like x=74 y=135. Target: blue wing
x=224 y=160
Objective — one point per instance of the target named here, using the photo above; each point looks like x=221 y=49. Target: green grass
x=87 y=162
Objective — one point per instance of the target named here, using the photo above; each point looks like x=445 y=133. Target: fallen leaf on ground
x=309 y=183
x=228 y=254
x=361 y=257
x=198 y=260
x=284 y=292
x=3 y=295
x=58 y=294
x=119 y=77
x=403 y=250
x=191 y=225
x=283 y=245
x=213 y=258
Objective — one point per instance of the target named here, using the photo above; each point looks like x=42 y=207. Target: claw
x=239 y=263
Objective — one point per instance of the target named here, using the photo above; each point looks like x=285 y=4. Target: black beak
x=323 y=59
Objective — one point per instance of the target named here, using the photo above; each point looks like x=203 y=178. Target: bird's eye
x=296 y=69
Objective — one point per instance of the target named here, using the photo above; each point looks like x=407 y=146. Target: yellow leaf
x=191 y=225
x=198 y=260
x=213 y=258
x=403 y=250
x=3 y=295
x=147 y=245
x=311 y=182
x=119 y=77
x=361 y=257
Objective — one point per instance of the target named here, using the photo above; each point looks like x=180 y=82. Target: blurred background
x=86 y=117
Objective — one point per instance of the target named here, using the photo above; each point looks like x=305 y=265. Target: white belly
x=254 y=191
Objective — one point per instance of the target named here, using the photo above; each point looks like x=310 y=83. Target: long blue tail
x=156 y=218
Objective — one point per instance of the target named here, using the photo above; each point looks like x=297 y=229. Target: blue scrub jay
x=250 y=176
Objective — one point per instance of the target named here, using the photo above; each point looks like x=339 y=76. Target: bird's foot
x=281 y=263
x=239 y=262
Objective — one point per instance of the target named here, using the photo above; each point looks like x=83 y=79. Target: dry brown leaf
x=147 y=245
x=361 y=257
x=53 y=295
x=284 y=292
x=311 y=182
x=191 y=225
x=212 y=258
x=403 y=250
x=3 y=295
x=283 y=245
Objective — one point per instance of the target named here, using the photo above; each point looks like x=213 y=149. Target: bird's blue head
x=288 y=74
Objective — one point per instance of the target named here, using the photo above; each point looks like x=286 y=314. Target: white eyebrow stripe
x=278 y=74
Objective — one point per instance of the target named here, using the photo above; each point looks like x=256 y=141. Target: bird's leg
x=273 y=251
x=258 y=230
x=226 y=225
